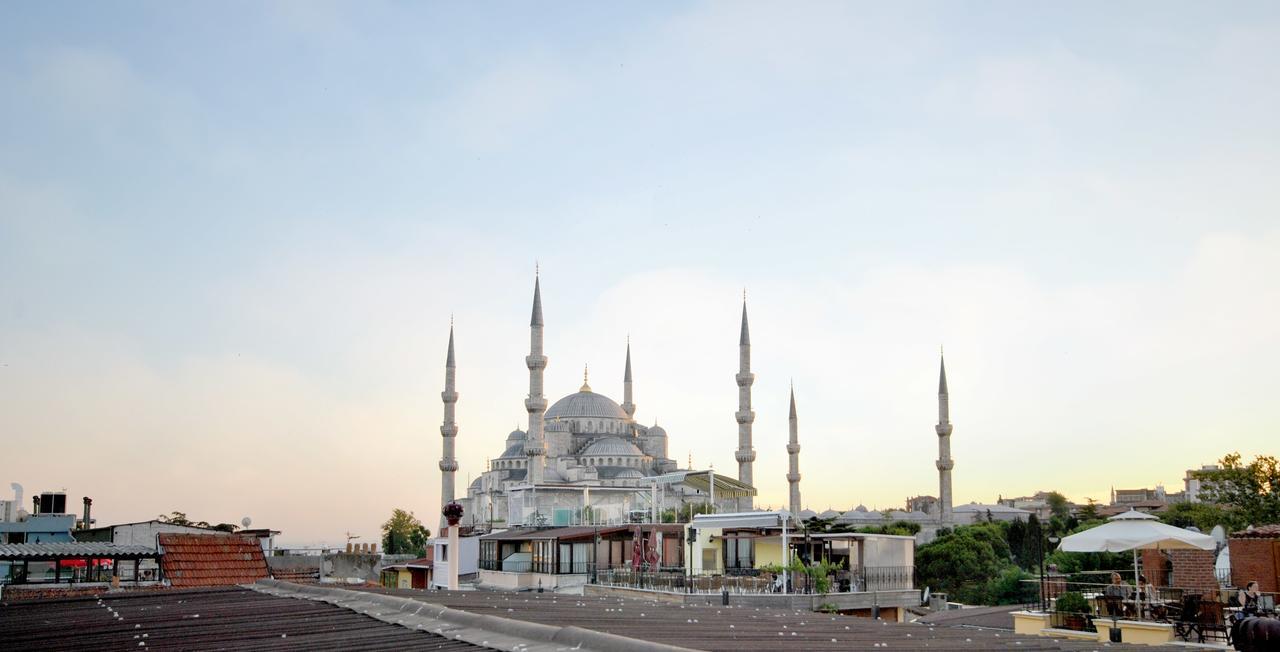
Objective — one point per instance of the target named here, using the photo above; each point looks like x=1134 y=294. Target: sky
x=233 y=235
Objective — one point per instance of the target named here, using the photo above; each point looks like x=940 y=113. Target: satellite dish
x=244 y=522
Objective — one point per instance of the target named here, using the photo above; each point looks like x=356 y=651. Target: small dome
x=860 y=508
x=656 y=431
x=516 y=435
x=475 y=485
x=610 y=446
x=806 y=514
x=620 y=473
x=586 y=403
x=514 y=451
x=830 y=513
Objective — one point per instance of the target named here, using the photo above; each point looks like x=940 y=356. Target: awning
x=741 y=519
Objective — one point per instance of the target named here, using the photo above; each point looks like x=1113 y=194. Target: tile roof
x=211 y=559
x=203 y=619
x=72 y=549
x=1259 y=532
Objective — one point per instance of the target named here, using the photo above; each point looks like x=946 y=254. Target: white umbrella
x=1136 y=531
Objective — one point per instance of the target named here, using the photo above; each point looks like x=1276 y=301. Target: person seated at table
x=1248 y=599
x=1117 y=588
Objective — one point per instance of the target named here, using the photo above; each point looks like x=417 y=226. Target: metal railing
x=874 y=578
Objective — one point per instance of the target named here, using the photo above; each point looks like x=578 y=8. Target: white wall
x=468 y=558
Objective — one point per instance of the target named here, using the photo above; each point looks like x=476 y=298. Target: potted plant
x=452 y=513
x=1074 y=609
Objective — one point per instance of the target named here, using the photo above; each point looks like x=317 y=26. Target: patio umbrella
x=1136 y=531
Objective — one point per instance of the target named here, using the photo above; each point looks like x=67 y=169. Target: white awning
x=741 y=519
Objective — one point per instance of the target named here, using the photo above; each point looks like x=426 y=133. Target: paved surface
x=202 y=619
x=734 y=629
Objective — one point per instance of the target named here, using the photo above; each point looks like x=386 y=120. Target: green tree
x=1090 y=511
x=1058 y=505
x=1249 y=492
x=403 y=534
x=1016 y=536
x=965 y=561
x=1202 y=515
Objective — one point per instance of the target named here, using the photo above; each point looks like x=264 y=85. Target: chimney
x=86 y=524
x=35 y=505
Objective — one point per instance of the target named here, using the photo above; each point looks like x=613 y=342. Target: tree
x=970 y=563
x=180 y=518
x=404 y=534
x=1249 y=492
x=1202 y=515
x=1058 y=505
x=1016 y=537
x=1090 y=511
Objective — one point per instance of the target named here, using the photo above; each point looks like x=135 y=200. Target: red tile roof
x=1259 y=532
x=211 y=559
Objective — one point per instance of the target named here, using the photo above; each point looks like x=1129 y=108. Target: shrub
x=1072 y=602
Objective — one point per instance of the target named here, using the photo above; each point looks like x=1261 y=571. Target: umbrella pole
x=1137 y=583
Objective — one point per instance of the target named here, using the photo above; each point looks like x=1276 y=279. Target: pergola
x=87 y=554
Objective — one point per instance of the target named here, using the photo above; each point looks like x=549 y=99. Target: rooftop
x=731 y=629
x=222 y=619
x=72 y=550
x=211 y=559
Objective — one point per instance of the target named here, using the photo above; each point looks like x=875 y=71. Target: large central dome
x=586 y=403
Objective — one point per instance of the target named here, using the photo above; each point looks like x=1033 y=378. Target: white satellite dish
x=244 y=522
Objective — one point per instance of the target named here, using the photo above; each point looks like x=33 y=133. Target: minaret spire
x=793 y=452
x=745 y=454
x=448 y=430
x=945 y=463
x=628 y=405
x=535 y=445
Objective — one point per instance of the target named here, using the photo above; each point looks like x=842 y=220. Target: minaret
x=627 y=405
x=448 y=430
x=793 y=452
x=745 y=453
x=945 y=464
x=535 y=446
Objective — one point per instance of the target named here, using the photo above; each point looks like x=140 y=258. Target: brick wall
x=1193 y=569
x=1156 y=567
x=1254 y=559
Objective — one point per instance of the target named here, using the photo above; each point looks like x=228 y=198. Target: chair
x=1185 y=617
x=1212 y=621
x=1112 y=605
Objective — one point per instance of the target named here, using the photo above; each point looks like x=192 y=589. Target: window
x=739 y=553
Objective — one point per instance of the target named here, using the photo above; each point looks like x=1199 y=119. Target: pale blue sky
x=248 y=223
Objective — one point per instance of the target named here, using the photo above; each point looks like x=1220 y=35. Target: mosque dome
x=514 y=451
x=586 y=403
x=656 y=431
x=623 y=473
x=611 y=446
x=516 y=435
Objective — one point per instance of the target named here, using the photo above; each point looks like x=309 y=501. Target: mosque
x=586 y=460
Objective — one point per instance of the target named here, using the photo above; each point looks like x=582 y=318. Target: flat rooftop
x=230 y=618
x=733 y=628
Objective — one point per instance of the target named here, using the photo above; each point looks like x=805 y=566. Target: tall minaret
x=535 y=446
x=793 y=451
x=448 y=430
x=745 y=453
x=945 y=464
x=627 y=405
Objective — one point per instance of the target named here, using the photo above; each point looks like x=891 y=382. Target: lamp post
x=1053 y=543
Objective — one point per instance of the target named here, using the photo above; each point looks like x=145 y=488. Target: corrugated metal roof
x=71 y=549
x=203 y=619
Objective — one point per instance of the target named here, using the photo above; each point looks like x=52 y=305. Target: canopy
x=1134 y=530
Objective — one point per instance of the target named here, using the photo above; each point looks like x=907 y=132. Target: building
x=1191 y=484
x=585 y=459
x=467 y=557
x=412 y=574
x=555 y=558
x=979 y=513
x=47 y=522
